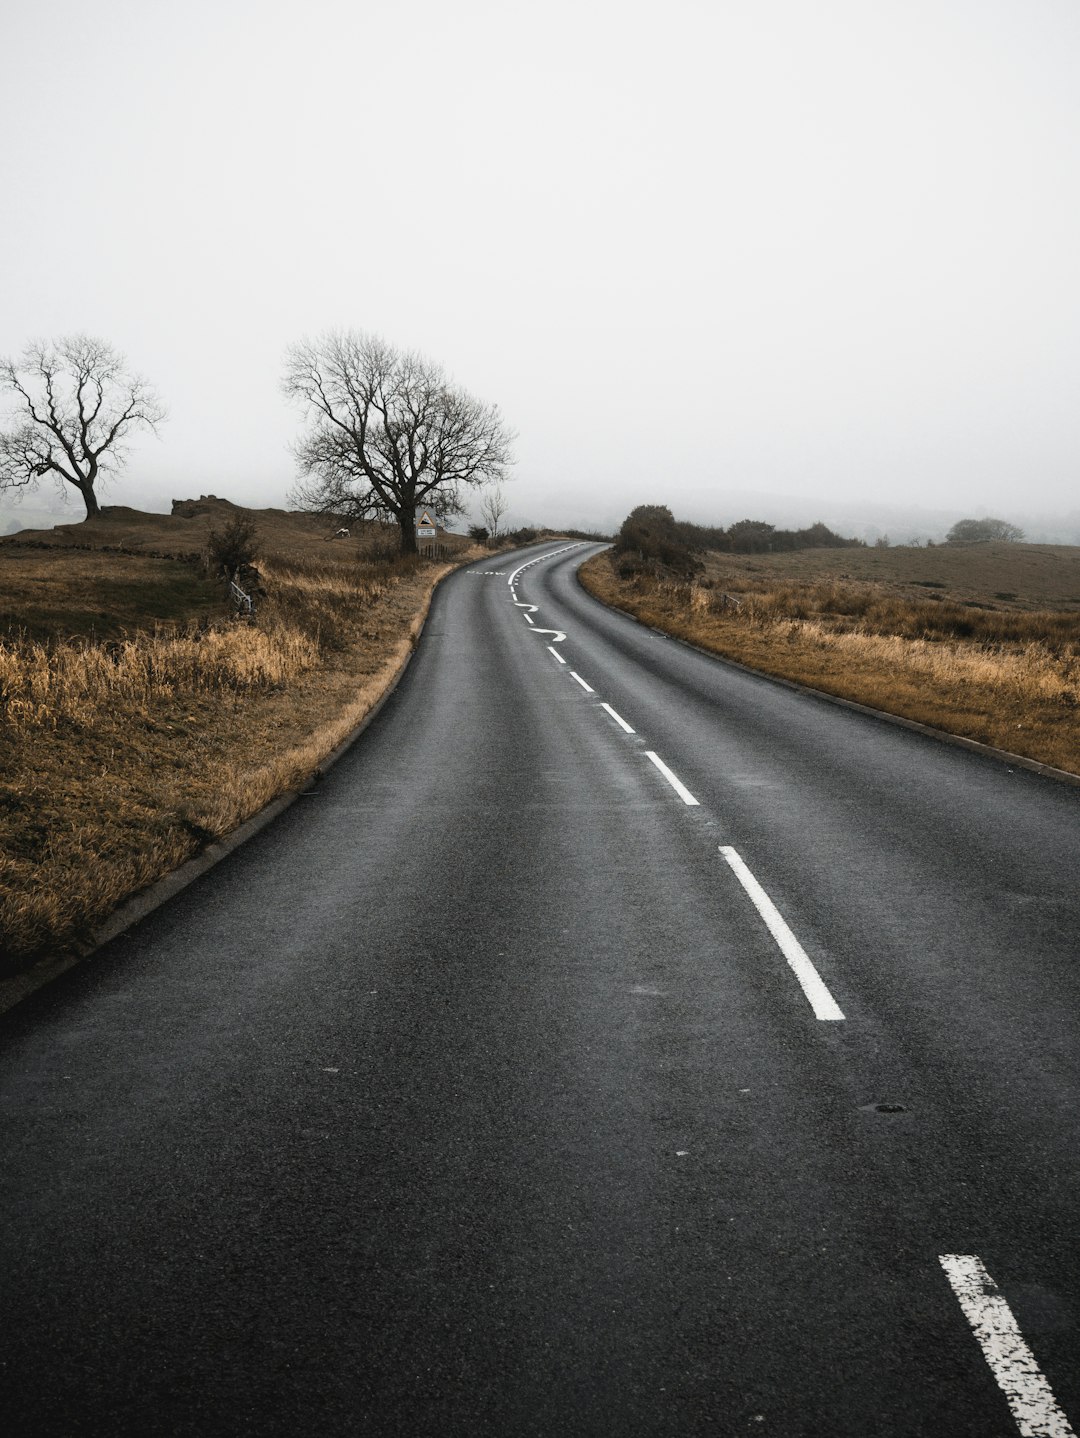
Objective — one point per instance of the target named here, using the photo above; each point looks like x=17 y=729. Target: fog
x=766 y=257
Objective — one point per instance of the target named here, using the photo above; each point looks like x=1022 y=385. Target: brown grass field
x=140 y=719
x=981 y=641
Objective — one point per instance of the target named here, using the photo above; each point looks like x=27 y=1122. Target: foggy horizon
x=762 y=260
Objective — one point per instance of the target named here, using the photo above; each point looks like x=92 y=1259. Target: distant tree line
x=652 y=535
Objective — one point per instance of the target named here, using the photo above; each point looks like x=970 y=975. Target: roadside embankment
x=1006 y=677
x=123 y=757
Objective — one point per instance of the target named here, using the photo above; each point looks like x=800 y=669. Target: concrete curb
x=1018 y=761
x=131 y=911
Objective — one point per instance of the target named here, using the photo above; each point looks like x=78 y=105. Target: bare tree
x=76 y=403
x=492 y=508
x=387 y=432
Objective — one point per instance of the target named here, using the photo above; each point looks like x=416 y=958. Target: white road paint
x=528 y=619
x=587 y=687
x=676 y=783
x=559 y=635
x=1011 y=1361
x=532 y=608
x=540 y=558
x=821 y=1001
x=556 y=653
x=618 y=719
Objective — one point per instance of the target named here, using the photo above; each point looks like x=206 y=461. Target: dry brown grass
x=1003 y=673
x=123 y=756
x=1024 y=576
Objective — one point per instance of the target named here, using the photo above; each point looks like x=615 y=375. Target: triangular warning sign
x=426 y=519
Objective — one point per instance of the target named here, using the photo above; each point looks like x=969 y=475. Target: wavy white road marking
x=821 y=1001
x=559 y=635
x=551 y=554
x=1011 y=1361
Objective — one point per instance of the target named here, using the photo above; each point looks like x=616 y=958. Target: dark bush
x=630 y=564
x=653 y=531
x=983 y=531
x=653 y=534
x=234 y=547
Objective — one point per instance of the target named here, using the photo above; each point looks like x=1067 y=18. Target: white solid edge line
x=1011 y=1361
x=821 y=1001
x=587 y=687
x=618 y=718
x=558 y=656
x=677 y=784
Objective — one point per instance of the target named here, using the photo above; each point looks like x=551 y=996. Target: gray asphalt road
x=477 y=1096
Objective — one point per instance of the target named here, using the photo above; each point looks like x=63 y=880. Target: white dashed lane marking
x=618 y=719
x=675 y=782
x=821 y=1001
x=1011 y=1361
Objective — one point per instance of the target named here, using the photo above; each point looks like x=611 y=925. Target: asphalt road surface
x=613 y=1043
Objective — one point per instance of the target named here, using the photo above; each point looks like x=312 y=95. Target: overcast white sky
x=698 y=253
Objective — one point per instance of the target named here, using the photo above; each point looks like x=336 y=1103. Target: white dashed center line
x=1011 y=1361
x=618 y=719
x=821 y=1001
x=676 y=783
x=558 y=656
x=587 y=687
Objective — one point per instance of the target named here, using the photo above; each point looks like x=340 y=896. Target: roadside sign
x=426 y=523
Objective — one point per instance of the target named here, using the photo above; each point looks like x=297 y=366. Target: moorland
x=142 y=716
x=978 y=640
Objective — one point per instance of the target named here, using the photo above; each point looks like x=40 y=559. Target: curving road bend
x=614 y=1042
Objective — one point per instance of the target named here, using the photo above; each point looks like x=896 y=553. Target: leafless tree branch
x=387 y=431
x=78 y=404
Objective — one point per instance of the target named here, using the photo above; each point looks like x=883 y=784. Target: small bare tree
x=387 y=432
x=76 y=403
x=492 y=508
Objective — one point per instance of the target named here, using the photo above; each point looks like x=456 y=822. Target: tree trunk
x=90 y=500
x=407 y=523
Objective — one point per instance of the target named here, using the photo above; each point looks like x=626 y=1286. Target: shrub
x=982 y=531
x=233 y=547
x=651 y=532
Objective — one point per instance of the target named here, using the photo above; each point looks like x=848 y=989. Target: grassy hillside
x=998 y=576
x=139 y=718
x=981 y=640
x=127 y=570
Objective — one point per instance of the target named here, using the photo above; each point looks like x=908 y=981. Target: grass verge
x=1004 y=676
x=124 y=756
